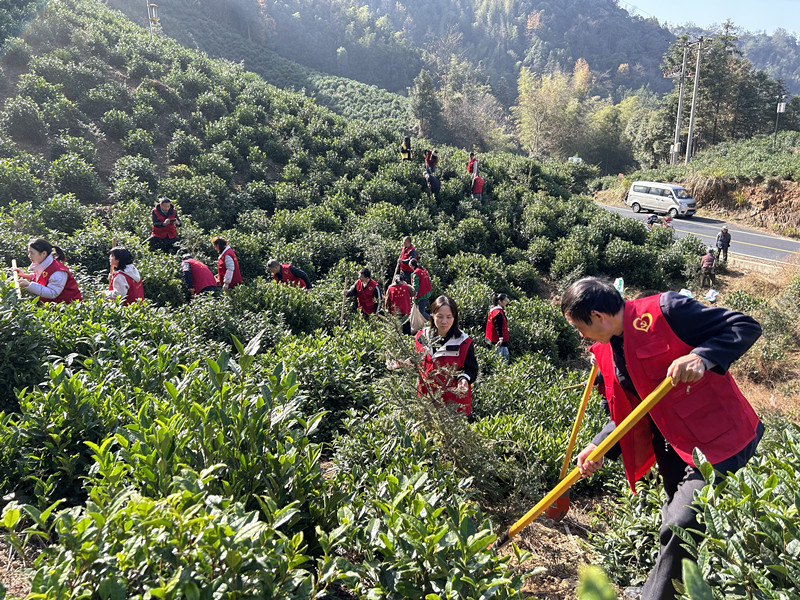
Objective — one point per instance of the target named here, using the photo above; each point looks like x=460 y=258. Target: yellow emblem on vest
x=44 y=274
x=643 y=323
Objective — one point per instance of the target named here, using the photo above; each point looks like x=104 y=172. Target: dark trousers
x=422 y=303
x=708 y=277
x=679 y=510
x=723 y=252
x=406 y=275
x=163 y=244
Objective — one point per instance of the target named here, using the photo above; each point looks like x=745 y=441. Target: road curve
x=745 y=242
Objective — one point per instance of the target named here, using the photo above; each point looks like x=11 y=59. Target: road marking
x=748 y=243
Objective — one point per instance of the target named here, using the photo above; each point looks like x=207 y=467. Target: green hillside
x=195 y=28
x=254 y=444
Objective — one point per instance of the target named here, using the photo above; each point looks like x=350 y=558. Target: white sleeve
x=55 y=285
x=120 y=287
x=229 y=267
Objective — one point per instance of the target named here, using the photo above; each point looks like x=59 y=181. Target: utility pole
x=781 y=108
x=152 y=16
x=676 y=144
x=689 y=140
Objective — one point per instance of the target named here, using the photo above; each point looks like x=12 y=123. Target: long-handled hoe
x=558 y=510
x=622 y=428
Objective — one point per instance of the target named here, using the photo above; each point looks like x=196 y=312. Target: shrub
x=574 y=258
x=184 y=147
x=66 y=144
x=117 y=123
x=139 y=142
x=17 y=182
x=64 y=212
x=23 y=120
x=24 y=346
x=637 y=264
x=489 y=269
x=71 y=174
x=535 y=325
x=473 y=298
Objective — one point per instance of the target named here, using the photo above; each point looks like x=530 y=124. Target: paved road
x=745 y=242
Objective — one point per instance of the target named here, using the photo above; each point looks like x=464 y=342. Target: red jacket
x=405 y=254
x=710 y=414
x=491 y=332
x=135 y=288
x=477 y=185
x=398 y=299
x=424 y=281
x=70 y=293
x=237 y=276
x=438 y=371
x=364 y=295
x=288 y=278
x=202 y=277
x=168 y=231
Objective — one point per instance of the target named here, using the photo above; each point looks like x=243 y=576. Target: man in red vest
x=228 y=274
x=407 y=252
x=367 y=293
x=198 y=277
x=165 y=223
x=637 y=344
x=288 y=274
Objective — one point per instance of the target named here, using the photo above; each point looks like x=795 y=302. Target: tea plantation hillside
x=254 y=445
x=193 y=28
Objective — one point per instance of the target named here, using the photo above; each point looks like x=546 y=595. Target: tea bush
x=24 y=349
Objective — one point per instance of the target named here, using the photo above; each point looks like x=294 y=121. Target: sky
x=750 y=15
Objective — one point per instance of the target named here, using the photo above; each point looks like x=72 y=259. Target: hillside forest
x=252 y=443
x=551 y=79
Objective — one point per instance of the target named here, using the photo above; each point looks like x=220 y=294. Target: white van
x=665 y=198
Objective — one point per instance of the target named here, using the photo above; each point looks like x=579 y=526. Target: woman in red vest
x=497 y=325
x=165 y=223
x=449 y=366
x=398 y=301
x=228 y=274
x=50 y=280
x=124 y=280
x=367 y=293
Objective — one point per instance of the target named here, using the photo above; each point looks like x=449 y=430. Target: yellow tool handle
x=627 y=424
x=575 y=428
x=16 y=277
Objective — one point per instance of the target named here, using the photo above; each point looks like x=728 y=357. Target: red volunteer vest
x=70 y=293
x=405 y=253
x=237 y=276
x=424 y=281
x=169 y=231
x=364 y=295
x=398 y=299
x=289 y=278
x=202 y=277
x=491 y=333
x=477 y=186
x=710 y=414
x=135 y=288
x=438 y=371
x=471 y=165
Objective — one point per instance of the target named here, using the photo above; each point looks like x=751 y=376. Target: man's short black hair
x=590 y=294
x=366 y=273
